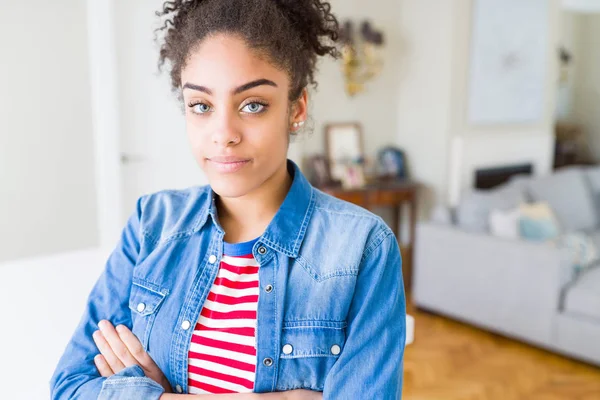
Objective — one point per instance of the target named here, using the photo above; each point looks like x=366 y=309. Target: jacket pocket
x=145 y=299
x=308 y=351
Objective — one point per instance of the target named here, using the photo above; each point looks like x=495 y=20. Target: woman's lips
x=228 y=165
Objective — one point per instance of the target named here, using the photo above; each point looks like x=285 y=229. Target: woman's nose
x=225 y=132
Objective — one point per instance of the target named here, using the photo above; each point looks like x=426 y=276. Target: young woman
x=258 y=285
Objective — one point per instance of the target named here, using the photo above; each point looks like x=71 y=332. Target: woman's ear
x=299 y=112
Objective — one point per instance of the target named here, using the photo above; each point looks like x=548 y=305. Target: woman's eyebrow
x=238 y=90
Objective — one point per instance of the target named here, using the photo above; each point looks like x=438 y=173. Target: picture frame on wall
x=344 y=148
x=509 y=62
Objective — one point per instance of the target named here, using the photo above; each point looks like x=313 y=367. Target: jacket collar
x=286 y=231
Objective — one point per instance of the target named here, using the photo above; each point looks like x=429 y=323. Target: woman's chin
x=228 y=188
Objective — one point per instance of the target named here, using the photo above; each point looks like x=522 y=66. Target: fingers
x=106 y=351
x=135 y=348
x=144 y=360
x=112 y=347
x=103 y=366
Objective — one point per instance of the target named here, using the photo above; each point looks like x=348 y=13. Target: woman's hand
x=119 y=349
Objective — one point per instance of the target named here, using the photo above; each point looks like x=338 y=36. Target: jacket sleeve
x=76 y=376
x=370 y=365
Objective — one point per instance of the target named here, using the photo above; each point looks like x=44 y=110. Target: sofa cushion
x=593 y=176
x=583 y=297
x=473 y=212
x=568 y=193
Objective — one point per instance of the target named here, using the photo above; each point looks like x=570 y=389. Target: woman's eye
x=254 y=108
x=200 y=108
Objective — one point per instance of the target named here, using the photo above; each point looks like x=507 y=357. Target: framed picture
x=318 y=170
x=509 y=61
x=392 y=163
x=343 y=146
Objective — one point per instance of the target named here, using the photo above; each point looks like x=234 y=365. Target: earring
x=296 y=125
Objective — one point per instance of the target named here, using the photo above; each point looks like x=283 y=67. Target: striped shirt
x=222 y=355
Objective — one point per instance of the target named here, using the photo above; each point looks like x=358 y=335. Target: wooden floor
x=451 y=361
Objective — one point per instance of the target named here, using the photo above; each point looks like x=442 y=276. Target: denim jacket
x=330 y=286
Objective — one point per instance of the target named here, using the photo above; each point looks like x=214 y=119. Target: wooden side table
x=391 y=194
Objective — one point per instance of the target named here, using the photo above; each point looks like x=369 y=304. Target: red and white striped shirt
x=222 y=355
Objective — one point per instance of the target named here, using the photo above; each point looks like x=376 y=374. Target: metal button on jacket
x=141 y=307
x=269 y=288
x=185 y=325
x=178 y=388
x=212 y=259
x=268 y=362
x=262 y=250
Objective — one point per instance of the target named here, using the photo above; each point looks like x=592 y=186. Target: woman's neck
x=246 y=218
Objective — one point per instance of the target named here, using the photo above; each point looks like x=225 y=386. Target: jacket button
x=212 y=259
x=262 y=250
x=185 y=325
x=268 y=362
x=335 y=349
x=287 y=349
x=141 y=307
x=269 y=288
x=179 y=389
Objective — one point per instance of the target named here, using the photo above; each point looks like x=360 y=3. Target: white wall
x=375 y=108
x=587 y=83
x=432 y=108
x=47 y=191
x=581 y=5
x=424 y=91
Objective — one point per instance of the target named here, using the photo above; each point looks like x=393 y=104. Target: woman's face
x=237 y=114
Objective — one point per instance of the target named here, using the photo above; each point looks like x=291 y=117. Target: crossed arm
x=120 y=348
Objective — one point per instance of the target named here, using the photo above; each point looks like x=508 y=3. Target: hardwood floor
x=452 y=361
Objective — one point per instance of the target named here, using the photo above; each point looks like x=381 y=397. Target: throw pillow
x=473 y=211
x=538 y=223
x=505 y=224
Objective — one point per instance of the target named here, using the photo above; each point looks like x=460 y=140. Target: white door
x=155 y=153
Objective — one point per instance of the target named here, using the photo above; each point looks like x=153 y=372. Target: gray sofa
x=521 y=289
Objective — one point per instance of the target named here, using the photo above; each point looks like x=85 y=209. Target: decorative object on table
x=354 y=174
x=371 y=169
x=509 y=62
x=318 y=170
x=392 y=163
x=344 y=148
x=360 y=55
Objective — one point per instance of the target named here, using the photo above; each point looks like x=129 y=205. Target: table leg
x=413 y=226
x=396 y=222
